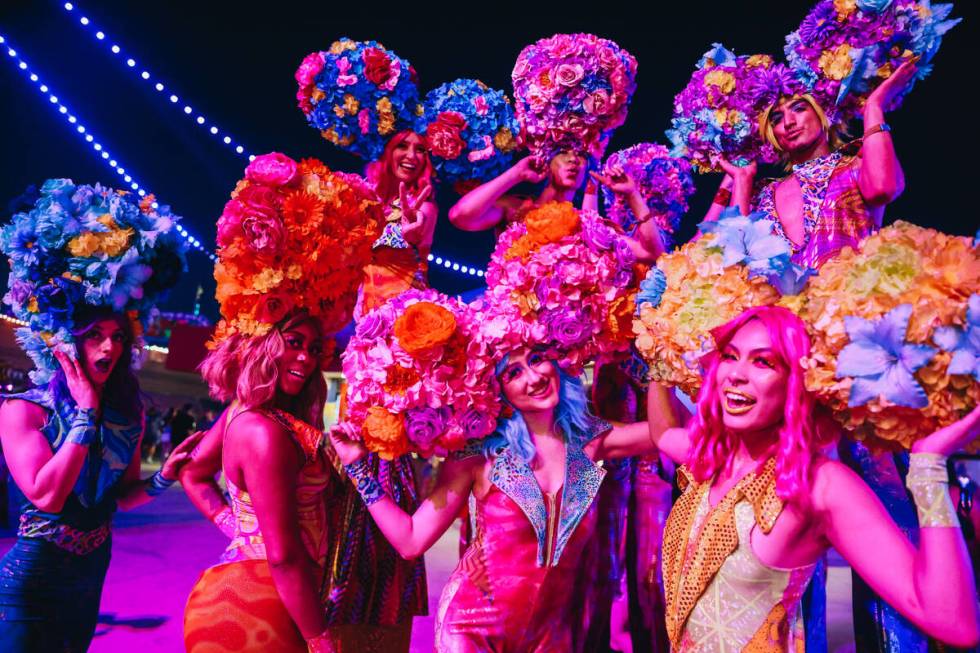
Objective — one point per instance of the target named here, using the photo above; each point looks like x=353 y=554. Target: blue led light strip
x=90 y=138
x=116 y=49
x=159 y=86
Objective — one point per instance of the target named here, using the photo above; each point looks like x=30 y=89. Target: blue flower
x=651 y=289
x=792 y=280
x=873 y=6
x=881 y=362
x=964 y=344
x=718 y=55
x=749 y=240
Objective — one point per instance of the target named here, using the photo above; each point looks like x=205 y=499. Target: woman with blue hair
x=532 y=486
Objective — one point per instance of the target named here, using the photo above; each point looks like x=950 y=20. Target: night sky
x=235 y=66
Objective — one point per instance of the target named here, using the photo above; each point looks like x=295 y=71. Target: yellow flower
x=115 y=242
x=756 y=60
x=844 y=8
x=266 y=280
x=83 y=245
x=339 y=47
x=504 y=140
x=317 y=95
x=32 y=306
x=294 y=272
x=338 y=111
x=722 y=80
x=836 y=64
x=351 y=105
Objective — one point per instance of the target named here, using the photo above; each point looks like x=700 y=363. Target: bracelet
x=928 y=482
x=364 y=482
x=82 y=430
x=723 y=197
x=157 y=484
x=880 y=127
x=225 y=521
x=322 y=643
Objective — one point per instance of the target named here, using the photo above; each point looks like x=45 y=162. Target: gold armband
x=928 y=482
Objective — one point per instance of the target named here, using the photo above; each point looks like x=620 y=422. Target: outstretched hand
x=80 y=387
x=950 y=439
x=180 y=456
x=343 y=441
x=413 y=220
x=888 y=92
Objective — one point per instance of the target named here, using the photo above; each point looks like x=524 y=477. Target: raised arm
x=743 y=180
x=419 y=217
x=483 y=207
x=661 y=432
x=933 y=584
x=880 y=178
x=648 y=244
x=722 y=199
x=270 y=462
x=410 y=535
x=198 y=477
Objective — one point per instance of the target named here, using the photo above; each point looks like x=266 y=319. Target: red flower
x=444 y=135
x=273 y=308
x=377 y=66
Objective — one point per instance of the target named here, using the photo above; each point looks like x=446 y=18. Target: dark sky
x=234 y=62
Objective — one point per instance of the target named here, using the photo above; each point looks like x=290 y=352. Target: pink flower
x=569 y=74
x=484 y=153
x=230 y=222
x=480 y=104
x=308 y=70
x=273 y=169
x=597 y=102
x=263 y=234
x=364 y=120
x=343 y=79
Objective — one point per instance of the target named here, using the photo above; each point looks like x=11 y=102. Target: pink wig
x=806 y=429
x=244 y=369
x=381 y=173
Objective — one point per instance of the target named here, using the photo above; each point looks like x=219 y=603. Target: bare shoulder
x=20 y=414
x=833 y=482
x=257 y=431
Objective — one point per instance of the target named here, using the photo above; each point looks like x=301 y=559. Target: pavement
x=160 y=549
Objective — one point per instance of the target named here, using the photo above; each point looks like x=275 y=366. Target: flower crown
x=358 y=94
x=472 y=131
x=572 y=90
x=86 y=246
x=294 y=236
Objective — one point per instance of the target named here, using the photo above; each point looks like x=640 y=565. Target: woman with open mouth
x=72 y=443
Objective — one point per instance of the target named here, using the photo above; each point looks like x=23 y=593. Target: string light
x=87 y=136
x=448 y=264
x=155 y=82
x=15 y=321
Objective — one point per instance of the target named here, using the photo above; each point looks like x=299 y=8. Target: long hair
x=571 y=417
x=836 y=134
x=381 y=173
x=244 y=369
x=121 y=392
x=806 y=429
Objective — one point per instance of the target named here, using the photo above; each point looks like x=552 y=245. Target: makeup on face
x=751 y=380
x=301 y=357
x=530 y=381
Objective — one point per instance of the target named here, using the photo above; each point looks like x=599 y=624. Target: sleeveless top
x=83 y=522
x=720 y=596
x=315 y=475
x=835 y=214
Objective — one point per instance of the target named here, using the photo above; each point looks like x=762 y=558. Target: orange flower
x=384 y=433
x=551 y=222
x=423 y=326
x=400 y=379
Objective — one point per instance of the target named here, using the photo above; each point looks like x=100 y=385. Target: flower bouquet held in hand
x=419 y=379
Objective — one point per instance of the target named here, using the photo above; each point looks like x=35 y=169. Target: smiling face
x=751 y=379
x=568 y=170
x=530 y=381
x=796 y=126
x=408 y=159
x=100 y=347
x=300 y=358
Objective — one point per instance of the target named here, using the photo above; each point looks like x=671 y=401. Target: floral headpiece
x=843 y=50
x=358 y=94
x=895 y=325
x=293 y=236
x=739 y=262
x=664 y=181
x=86 y=246
x=564 y=278
x=418 y=378
x=716 y=114
x=571 y=90
x=472 y=132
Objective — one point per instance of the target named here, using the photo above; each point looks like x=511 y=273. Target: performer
x=533 y=484
x=72 y=443
x=761 y=505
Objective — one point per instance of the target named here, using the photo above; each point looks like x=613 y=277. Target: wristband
x=225 y=521
x=364 y=482
x=928 y=482
x=82 y=430
x=157 y=484
x=880 y=127
x=723 y=197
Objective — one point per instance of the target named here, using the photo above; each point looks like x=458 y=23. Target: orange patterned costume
x=235 y=605
x=720 y=596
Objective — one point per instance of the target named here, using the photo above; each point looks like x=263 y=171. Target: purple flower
x=476 y=424
x=372 y=326
x=597 y=235
x=567 y=327
x=425 y=425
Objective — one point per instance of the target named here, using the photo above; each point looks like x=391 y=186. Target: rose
x=230 y=222
x=273 y=308
x=597 y=236
x=425 y=425
x=597 y=103
x=273 y=169
x=263 y=234
x=308 y=70
x=377 y=65
x=567 y=327
x=259 y=200
x=372 y=326
x=444 y=135
x=569 y=74
x=476 y=424
x=423 y=326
